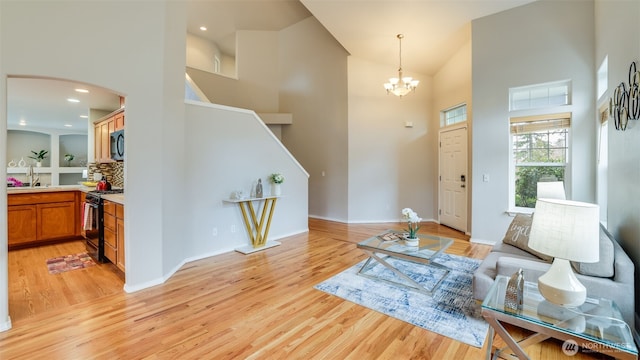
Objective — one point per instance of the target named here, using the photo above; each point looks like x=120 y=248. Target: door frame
x=457 y=126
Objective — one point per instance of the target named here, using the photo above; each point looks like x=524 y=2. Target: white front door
x=453 y=178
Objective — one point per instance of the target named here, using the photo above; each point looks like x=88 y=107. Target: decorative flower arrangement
x=276 y=178
x=413 y=222
x=15 y=182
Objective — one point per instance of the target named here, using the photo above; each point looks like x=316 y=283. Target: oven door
x=91 y=230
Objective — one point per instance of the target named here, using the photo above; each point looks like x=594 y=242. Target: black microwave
x=117 y=145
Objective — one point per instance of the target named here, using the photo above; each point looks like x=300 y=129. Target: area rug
x=451 y=311
x=69 y=262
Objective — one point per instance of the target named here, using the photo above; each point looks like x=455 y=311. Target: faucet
x=31 y=175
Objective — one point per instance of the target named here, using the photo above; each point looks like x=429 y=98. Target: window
x=539 y=96
x=454 y=115
x=540 y=151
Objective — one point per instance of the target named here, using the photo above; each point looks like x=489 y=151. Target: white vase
x=275 y=190
x=38 y=163
x=411 y=241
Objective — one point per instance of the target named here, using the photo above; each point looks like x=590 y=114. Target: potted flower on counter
x=276 y=179
x=39 y=156
x=69 y=158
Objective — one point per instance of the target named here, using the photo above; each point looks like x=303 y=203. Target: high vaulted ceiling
x=433 y=29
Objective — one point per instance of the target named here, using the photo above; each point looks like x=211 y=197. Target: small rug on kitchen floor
x=69 y=262
x=451 y=311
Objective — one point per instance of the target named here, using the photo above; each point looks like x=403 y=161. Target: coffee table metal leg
x=417 y=286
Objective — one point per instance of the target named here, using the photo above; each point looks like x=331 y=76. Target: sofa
x=612 y=277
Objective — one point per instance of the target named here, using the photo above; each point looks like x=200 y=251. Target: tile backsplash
x=114 y=171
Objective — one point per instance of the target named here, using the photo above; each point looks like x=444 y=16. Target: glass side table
x=596 y=325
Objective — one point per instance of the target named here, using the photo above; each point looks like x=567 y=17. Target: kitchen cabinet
x=114 y=233
x=102 y=134
x=42 y=217
x=120 y=236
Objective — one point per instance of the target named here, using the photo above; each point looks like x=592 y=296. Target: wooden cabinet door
x=97 y=141
x=56 y=220
x=119 y=121
x=120 y=239
x=22 y=224
x=104 y=140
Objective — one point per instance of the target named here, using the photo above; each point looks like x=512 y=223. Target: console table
x=595 y=326
x=257 y=230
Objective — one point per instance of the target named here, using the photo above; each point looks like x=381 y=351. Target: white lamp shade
x=566 y=229
x=551 y=190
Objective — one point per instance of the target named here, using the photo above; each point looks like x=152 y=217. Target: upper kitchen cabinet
x=102 y=130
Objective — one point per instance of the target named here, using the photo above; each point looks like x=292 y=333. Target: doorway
x=453 y=160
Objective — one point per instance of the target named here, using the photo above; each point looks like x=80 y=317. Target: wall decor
x=625 y=103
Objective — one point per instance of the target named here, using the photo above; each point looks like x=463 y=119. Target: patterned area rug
x=69 y=262
x=451 y=311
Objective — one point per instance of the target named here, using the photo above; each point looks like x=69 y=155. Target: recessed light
x=203 y=28
x=22 y=123
x=84 y=91
x=68 y=125
x=84 y=116
x=73 y=100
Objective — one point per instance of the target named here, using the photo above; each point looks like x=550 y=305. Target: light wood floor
x=231 y=306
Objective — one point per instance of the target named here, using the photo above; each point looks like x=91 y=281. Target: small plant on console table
x=276 y=179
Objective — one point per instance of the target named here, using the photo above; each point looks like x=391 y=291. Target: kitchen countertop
x=37 y=189
x=116 y=198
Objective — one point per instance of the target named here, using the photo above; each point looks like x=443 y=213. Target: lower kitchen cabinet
x=40 y=217
x=22 y=224
x=114 y=233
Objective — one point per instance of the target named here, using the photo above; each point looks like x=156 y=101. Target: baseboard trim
x=6 y=325
x=482 y=241
x=378 y=221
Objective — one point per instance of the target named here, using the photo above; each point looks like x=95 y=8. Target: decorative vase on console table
x=275 y=190
x=276 y=180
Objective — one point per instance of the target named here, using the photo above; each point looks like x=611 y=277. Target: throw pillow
x=602 y=268
x=518 y=235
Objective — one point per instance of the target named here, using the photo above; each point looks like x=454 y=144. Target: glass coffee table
x=391 y=244
x=595 y=326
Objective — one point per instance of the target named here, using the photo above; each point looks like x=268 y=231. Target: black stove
x=94 y=225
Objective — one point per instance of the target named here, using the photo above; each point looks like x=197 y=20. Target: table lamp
x=550 y=190
x=568 y=231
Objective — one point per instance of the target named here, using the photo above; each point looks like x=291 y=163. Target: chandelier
x=401 y=86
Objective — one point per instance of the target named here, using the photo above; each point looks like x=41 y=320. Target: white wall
x=391 y=166
x=612 y=19
x=228 y=150
x=141 y=58
x=313 y=88
x=256 y=86
x=452 y=87
x=201 y=53
x=540 y=42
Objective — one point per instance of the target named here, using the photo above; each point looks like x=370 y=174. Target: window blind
x=529 y=124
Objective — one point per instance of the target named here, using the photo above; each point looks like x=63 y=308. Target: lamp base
x=560 y=286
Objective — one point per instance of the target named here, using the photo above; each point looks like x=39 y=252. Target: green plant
x=39 y=156
x=276 y=178
x=69 y=157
